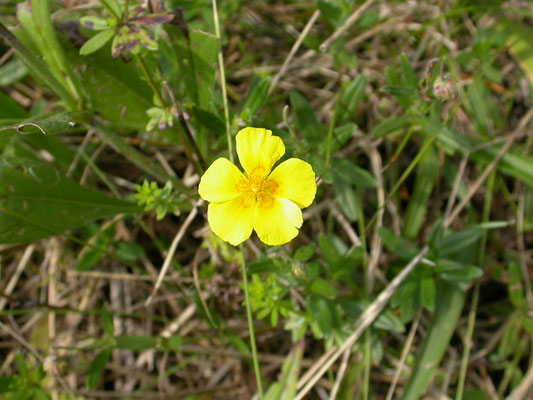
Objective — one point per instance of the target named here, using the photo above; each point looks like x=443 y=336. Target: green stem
x=126 y=11
x=223 y=80
x=149 y=78
x=251 y=325
x=110 y=10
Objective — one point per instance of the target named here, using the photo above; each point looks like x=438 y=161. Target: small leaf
x=107 y=322
x=303 y=254
x=346 y=198
x=457 y=272
x=135 y=342
x=97 y=42
x=322 y=313
x=46 y=124
x=428 y=292
x=458 y=241
x=256 y=98
x=306 y=118
x=389 y=126
x=97 y=368
x=351 y=173
x=399 y=246
x=323 y=288
x=408 y=72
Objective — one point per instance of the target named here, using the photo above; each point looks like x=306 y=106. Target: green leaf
x=351 y=98
x=97 y=42
x=322 y=313
x=97 y=367
x=323 y=288
x=303 y=254
x=351 y=173
x=256 y=98
x=12 y=72
x=457 y=272
x=521 y=48
x=306 y=118
x=36 y=201
x=346 y=198
x=49 y=124
x=114 y=89
x=426 y=177
x=7 y=384
x=328 y=249
x=408 y=72
x=389 y=126
x=10 y=108
x=399 y=246
x=387 y=320
x=428 y=292
x=107 y=322
x=95 y=252
x=136 y=342
x=173 y=343
x=457 y=241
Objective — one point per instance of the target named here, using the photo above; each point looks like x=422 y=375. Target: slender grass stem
x=251 y=325
x=223 y=81
x=126 y=11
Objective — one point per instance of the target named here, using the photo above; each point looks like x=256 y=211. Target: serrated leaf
x=97 y=42
x=36 y=201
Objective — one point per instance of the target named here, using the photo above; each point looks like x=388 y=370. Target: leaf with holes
x=36 y=201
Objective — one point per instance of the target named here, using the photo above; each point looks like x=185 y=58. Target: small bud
x=444 y=88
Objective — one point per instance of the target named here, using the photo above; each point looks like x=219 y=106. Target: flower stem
x=223 y=80
x=251 y=325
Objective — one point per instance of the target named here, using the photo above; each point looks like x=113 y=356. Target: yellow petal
x=258 y=150
x=296 y=181
x=233 y=220
x=279 y=223
x=219 y=183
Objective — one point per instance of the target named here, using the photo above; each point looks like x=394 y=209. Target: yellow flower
x=268 y=202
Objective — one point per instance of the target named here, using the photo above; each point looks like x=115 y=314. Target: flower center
x=256 y=188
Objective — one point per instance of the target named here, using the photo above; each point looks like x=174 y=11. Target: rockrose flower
x=269 y=202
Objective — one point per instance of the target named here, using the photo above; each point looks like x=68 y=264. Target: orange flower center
x=257 y=188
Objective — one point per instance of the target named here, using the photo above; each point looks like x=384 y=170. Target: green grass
x=410 y=277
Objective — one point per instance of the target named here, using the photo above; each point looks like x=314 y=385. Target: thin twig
x=347 y=25
x=365 y=320
x=293 y=51
x=170 y=254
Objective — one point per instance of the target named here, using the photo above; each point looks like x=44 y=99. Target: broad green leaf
x=389 y=126
x=97 y=42
x=36 y=201
x=49 y=124
x=398 y=245
x=97 y=367
x=114 y=89
x=11 y=72
x=351 y=173
x=306 y=118
x=173 y=343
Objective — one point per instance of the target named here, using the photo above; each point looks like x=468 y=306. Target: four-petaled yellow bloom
x=268 y=202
